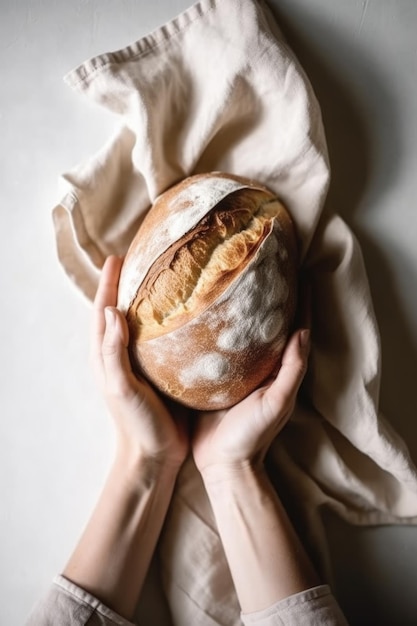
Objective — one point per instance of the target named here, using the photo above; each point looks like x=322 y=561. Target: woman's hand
x=145 y=428
x=265 y=557
x=113 y=554
x=228 y=440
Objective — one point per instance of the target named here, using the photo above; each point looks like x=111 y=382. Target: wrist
x=266 y=559
x=234 y=474
x=135 y=465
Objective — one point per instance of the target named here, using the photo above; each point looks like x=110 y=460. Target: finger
x=280 y=396
x=106 y=295
x=115 y=358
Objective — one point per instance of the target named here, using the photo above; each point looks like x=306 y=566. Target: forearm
x=113 y=555
x=265 y=556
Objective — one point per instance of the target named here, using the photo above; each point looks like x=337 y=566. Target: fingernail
x=110 y=318
x=304 y=339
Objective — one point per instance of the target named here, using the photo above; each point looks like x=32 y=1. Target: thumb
x=114 y=349
x=282 y=393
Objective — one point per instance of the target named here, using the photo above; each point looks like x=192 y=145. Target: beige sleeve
x=314 y=607
x=67 y=604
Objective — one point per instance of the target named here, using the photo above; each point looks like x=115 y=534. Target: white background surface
x=361 y=57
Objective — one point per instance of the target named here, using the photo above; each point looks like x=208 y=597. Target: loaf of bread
x=208 y=288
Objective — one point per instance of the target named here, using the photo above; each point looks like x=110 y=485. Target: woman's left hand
x=145 y=427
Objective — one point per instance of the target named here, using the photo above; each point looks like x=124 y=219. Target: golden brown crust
x=196 y=269
x=209 y=317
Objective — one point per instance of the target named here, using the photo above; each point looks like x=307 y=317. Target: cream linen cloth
x=218 y=89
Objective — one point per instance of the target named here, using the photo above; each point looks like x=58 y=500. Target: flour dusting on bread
x=207 y=367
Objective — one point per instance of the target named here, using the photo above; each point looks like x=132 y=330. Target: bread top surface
x=173 y=214
x=198 y=268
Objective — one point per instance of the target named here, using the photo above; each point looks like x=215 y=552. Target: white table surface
x=361 y=57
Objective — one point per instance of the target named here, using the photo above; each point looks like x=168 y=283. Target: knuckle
x=299 y=364
x=302 y=368
x=108 y=348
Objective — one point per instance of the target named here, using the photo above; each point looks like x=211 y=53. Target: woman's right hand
x=224 y=441
x=265 y=557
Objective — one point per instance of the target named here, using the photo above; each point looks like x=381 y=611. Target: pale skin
x=265 y=556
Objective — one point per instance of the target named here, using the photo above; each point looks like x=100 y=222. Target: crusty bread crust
x=208 y=287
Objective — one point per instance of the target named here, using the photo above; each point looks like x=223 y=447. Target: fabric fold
x=218 y=88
